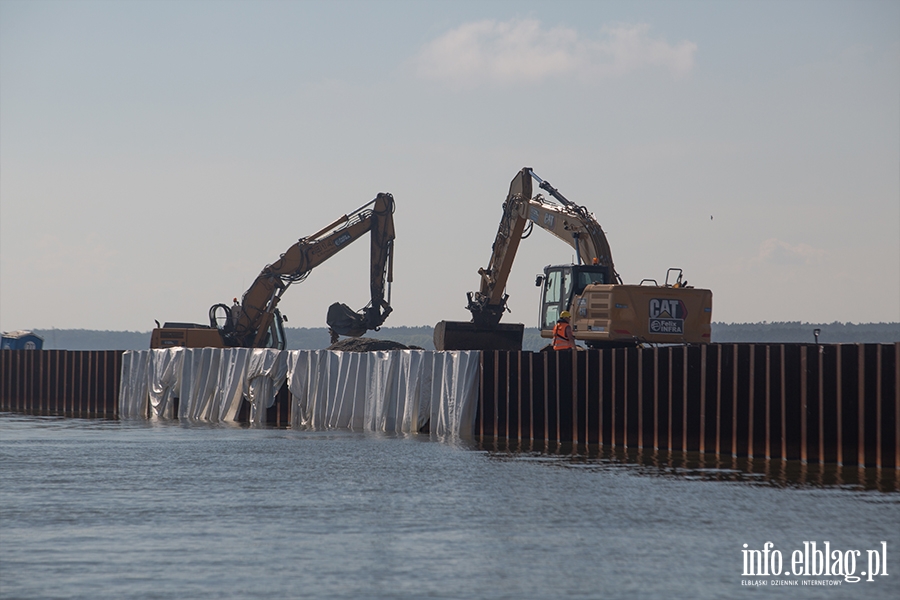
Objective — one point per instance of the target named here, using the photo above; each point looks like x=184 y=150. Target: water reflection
x=653 y=463
x=694 y=465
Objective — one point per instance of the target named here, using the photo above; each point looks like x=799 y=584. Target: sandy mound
x=368 y=345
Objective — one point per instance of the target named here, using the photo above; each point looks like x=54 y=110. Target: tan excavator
x=604 y=311
x=257 y=323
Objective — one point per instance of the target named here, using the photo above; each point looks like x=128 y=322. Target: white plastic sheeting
x=208 y=382
x=396 y=391
x=265 y=376
x=134 y=384
x=392 y=391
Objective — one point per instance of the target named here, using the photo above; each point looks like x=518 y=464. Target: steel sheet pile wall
x=61 y=382
x=827 y=404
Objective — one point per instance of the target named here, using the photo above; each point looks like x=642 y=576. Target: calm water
x=108 y=509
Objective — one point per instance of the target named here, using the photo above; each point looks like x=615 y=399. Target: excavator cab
x=561 y=284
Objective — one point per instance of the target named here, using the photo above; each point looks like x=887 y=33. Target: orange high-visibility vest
x=561 y=335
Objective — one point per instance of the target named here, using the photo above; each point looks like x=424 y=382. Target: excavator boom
x=564 y=219
x=256 y=321
x=576 y=226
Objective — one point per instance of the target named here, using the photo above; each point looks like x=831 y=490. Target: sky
x=155 y=156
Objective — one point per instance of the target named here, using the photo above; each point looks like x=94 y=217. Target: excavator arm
x=488 y=304
x=255 y=322
x=248 y=324
x=564 y=219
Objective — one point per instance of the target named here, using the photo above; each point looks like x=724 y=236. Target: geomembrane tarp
x=390 y=391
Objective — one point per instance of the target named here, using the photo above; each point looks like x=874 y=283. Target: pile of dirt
x=363 y=344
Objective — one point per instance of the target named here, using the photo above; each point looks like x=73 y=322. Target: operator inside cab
x=563 y=338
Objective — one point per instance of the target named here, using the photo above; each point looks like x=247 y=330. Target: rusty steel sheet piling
x=83 y=384
x=835 y=404
x=61 y=382
x=817 y=404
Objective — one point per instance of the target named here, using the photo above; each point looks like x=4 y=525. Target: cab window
x=586 y=278
x=553 y=287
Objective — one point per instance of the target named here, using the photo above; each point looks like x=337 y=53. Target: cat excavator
x=604 y=312
x=256 y=322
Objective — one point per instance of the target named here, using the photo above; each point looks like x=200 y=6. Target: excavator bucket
x=465 y=335
x=343 y=320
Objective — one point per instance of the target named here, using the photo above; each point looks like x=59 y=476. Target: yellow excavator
x=257 y=323
x=604 y=311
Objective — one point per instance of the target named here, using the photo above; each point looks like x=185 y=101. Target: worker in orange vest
x=563 y=338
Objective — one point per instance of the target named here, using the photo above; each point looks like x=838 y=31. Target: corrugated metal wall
x=827 y=404
x=61 y=382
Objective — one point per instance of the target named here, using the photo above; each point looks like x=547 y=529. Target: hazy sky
x=154 y=156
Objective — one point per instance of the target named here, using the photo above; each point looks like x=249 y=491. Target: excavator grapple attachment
x=465 y=335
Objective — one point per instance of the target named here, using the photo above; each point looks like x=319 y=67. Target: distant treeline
x=795 y=331
x=317 y=338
